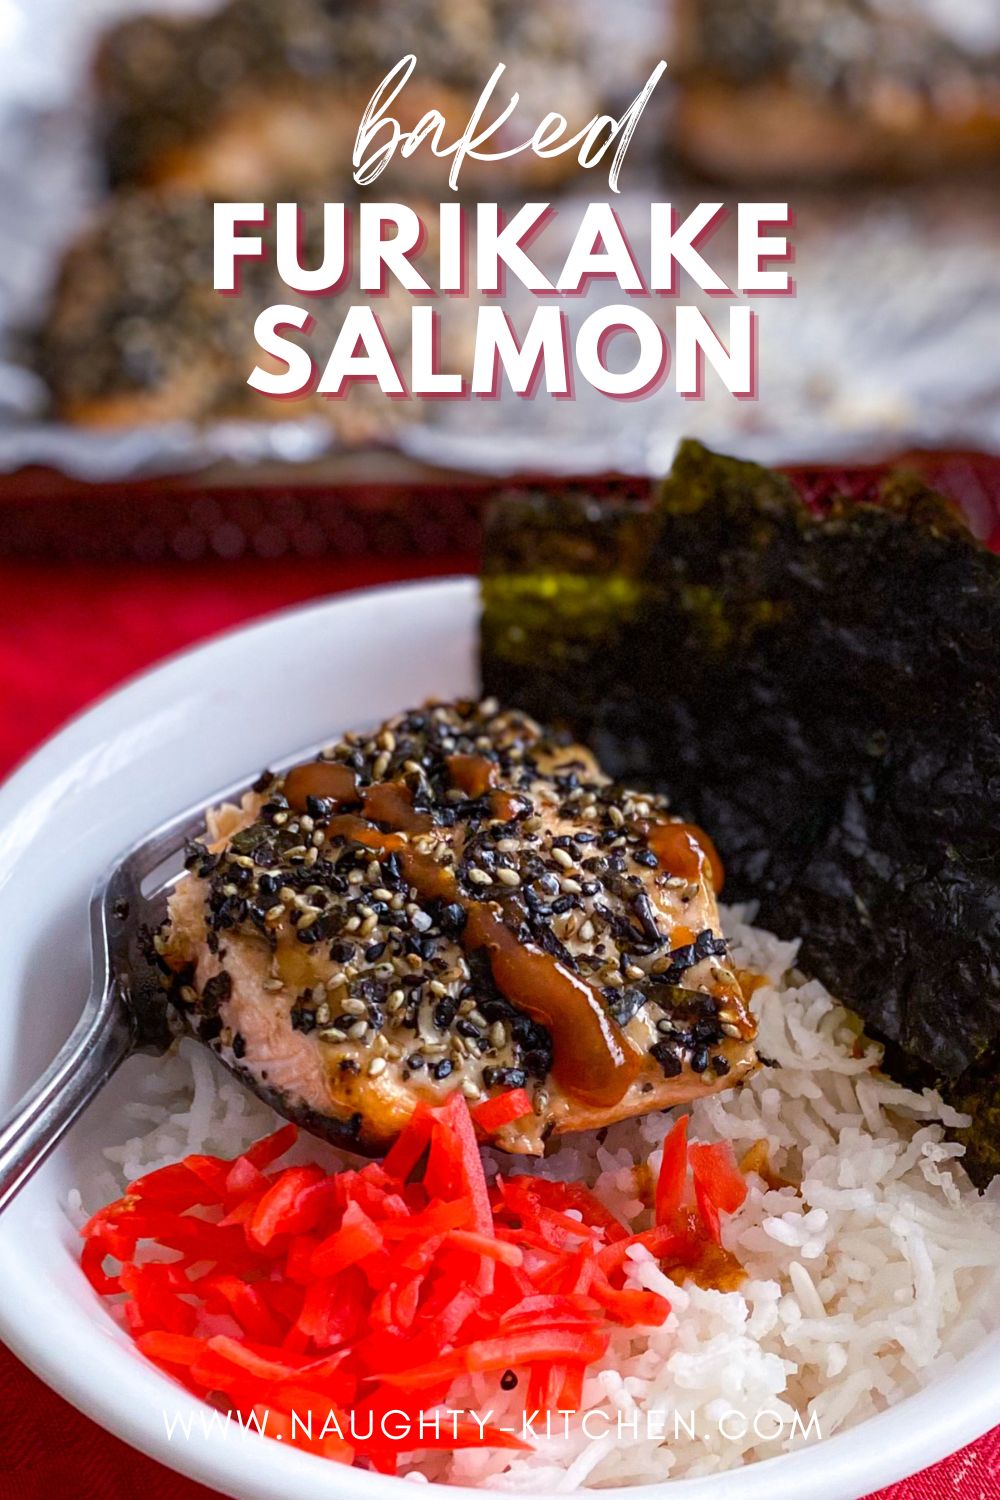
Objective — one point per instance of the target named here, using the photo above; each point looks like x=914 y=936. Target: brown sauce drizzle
x=328 y=779
x=384 y=801
x=474 y=775
x=713 y=1268
x=683 y=849
x=392 y=802
x=757 y=1158
x=506 y=806
x=592 y=1060
x=703 y=1262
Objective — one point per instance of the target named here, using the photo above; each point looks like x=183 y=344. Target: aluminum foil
x=892 y=340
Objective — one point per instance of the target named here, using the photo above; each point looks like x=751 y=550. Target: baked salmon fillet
x=459 y=900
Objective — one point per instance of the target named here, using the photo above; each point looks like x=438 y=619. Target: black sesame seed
x=508 y=1380
x=699 y=1059
x=239 y=1045
x=443 y=1068
x=506 y=1078
x=445 y=1012
x=666 y=1056
x=374 y=951
x=415 y=1062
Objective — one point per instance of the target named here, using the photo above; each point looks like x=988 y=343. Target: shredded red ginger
x=371 y=1291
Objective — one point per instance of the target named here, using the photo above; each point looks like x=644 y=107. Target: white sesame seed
x=615 y=816
x=376 y=1066
x=471 y=1090
x=437 y=988
x=333 y=1034
x=586 y=932
x=420 y=921
x=634 y=972
x=563 y=857
x=479 y=877
x=508 y=877
x=354 y=1006
x=358 y=1031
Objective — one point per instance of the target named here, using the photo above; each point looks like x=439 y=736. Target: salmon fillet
x=460 y=900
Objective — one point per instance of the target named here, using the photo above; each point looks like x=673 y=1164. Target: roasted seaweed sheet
x=822 y=692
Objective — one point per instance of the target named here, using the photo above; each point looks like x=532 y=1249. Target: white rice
x=866 y=1282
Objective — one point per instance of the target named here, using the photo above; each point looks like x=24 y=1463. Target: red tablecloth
x=68 y=634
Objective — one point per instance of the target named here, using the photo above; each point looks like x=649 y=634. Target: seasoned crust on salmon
x=459 y=900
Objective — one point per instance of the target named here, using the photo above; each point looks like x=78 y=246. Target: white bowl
x=167 y=740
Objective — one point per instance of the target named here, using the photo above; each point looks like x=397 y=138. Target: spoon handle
x=101 y=1039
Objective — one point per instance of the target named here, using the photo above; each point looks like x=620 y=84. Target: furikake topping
x=379 y=972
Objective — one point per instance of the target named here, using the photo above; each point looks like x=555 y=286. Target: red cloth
x=67 y=634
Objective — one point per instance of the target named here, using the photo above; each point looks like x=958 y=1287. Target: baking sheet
x=892 y=341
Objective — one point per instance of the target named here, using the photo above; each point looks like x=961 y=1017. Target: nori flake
x=822 y=693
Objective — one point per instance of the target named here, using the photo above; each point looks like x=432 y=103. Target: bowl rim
x=920 y=1430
